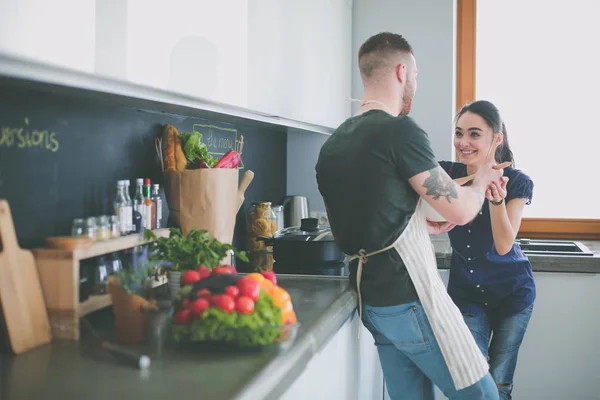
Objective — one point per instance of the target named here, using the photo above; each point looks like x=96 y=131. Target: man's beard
x=407 y=99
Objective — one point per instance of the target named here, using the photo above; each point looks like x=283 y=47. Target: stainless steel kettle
x=295 y=209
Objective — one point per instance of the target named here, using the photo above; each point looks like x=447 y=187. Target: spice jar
x=103 y=232
x=115 y=229
x=90 y=227
x=261 y=221
x=78 y=227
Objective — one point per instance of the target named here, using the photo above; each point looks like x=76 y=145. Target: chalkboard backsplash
x=61 y=155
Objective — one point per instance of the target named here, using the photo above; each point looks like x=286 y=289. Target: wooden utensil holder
x=58 y=270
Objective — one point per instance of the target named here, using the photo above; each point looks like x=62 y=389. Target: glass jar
x=103 y=232
x=78 y=227
x=278 y=210
x=261 y=221
x=90 y=227
x=115 y=231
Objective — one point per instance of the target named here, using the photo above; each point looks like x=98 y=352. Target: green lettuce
x=194 y=149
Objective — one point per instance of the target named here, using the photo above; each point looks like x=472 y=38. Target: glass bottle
x=115 y=263
x=148 y=206
x=100 y=276
x=138 y=205
x=129 y=205
x=157 y=200
x=278 y=210
x=120 y=205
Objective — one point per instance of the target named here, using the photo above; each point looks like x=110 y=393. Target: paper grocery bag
x=204 y=199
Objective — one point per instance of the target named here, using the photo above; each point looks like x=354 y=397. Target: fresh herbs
x=262 y=327
x=189 y=252
x=194 y=149
x=139 y=280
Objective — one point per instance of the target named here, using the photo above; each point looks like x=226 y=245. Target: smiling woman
x=543 y=105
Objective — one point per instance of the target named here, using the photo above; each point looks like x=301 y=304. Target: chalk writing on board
x=219 y=140
x=24 y=137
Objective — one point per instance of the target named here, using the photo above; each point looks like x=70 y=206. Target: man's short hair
x=376 y=52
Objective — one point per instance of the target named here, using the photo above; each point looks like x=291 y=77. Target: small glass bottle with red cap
x=149 y=211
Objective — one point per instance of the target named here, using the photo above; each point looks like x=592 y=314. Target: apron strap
x=363 y=258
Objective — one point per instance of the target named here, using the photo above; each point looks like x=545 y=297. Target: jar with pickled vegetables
x=261 y=221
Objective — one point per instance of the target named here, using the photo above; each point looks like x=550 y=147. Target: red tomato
x=203 y=271
x=233 y=291
x=198 y=306
x=270 y=275
x=182 y=317
x=244 y=305
x=249 y=287
x=224 y=269
x=185 y=303
x=225 y=302
x=189 y=278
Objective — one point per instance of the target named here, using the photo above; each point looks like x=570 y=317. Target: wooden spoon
x=466 y=179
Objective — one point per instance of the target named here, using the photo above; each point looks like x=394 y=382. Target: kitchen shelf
x=58 y=270
x=98 y=302
x=99 y=248
x=94 y=303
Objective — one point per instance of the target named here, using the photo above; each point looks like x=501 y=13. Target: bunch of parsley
x=189 y=252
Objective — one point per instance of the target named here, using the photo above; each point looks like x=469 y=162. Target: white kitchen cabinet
x=336 y=372
x=300 y=59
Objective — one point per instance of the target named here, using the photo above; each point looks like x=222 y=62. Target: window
x=538 y=62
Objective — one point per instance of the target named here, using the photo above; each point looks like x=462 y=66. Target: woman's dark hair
x=489 y=112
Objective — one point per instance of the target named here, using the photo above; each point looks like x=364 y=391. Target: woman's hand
x=437 y=228
x=496 y=192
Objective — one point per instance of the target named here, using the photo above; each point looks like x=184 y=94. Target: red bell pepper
x=231 y=159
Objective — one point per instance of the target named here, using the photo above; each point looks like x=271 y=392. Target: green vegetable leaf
x=188 y=252
x=194 y=148
x=261 y=328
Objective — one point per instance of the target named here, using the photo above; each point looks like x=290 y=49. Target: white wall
x=429 y=26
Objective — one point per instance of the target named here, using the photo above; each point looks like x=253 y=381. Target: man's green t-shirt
x=362 y=173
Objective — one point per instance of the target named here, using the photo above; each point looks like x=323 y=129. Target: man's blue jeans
x=411 y=359
x=503 y=349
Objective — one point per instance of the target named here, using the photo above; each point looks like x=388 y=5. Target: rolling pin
x=246 y=179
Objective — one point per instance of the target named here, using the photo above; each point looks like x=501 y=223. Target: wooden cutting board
x=20 y=290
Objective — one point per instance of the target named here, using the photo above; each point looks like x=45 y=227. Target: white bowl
x=431 y=214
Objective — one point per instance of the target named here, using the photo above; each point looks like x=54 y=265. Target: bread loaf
x=168 y=147
x=173 y=155
x=180 y=160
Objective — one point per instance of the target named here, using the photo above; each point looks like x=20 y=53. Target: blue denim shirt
x=481 y=280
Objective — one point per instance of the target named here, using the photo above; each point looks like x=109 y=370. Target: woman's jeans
x=502 y=351
x=411 y=358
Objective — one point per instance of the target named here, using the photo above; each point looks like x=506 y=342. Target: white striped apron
x=462 y=355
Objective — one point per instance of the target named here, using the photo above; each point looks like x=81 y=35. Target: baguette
x=173 y=155
x=169 y=134
x=180 y=160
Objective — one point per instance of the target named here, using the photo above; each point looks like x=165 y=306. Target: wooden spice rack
x=59 y=275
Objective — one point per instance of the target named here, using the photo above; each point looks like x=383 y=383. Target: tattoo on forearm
x=440 y=185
